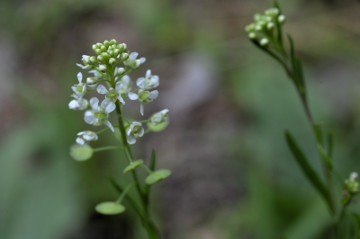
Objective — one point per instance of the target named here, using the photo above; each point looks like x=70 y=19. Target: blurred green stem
x=150 y=227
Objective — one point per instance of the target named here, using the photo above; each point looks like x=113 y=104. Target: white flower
x=134 y=130
x=86 y=60
x=112 y=93
x=159 y=117
x=149 y=82
x=80 y=88
x=143 y=96
x=99 y=115
x=86 y=136
x=78 y=103
x=132 y=62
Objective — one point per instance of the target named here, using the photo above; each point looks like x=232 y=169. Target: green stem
x=108 y=148
x=151 y=229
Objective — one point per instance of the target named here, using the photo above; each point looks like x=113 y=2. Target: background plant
x=266 y=34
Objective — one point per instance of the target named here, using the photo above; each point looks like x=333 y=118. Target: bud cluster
x=263 y=29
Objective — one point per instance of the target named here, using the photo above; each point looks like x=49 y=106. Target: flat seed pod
x=109 y=208
x=157 y=176
x=133 y=165
x=158 y=127
x=81 y=152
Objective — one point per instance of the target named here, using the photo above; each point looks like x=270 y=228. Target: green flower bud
x=124 y=56
x=112 y=61
x=264 y=42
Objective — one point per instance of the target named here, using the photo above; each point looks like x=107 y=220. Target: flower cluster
x=263 y=29
x=351 y=188
x=108 y=72
x=351 y=184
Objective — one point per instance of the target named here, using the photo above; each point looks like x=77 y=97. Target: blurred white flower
x=86 y=136
x=134 y=130
x=132 y=62
x=99 y=115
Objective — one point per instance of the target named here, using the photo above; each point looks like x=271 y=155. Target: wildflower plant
x=108 y=76
x=266 y=33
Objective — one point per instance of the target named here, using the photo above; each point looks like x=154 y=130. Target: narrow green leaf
x=318 y=133
x=324 y=156
x=306 y=168
x=330 y=144
x=153 y=160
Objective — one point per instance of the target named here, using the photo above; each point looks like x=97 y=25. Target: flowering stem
x=151 y=229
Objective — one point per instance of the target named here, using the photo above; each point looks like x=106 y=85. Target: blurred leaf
x=133 y=165
x=109 y=208
x=157 y=176
x=309 y=172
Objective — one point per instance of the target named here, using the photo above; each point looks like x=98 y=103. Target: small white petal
x=89 y=117
x=108 y=106
x=142 y=60
x=80 y=141
x=131 y=139
x=109 y=125
x=133 y=55
x=142 y=109
x=133 y=96
x=141 y=133
x=141 y=83
x=94 y=102
x=154 y=94
x=74 y=104
x=122 y=101
x=102 y=90
x=79 y=77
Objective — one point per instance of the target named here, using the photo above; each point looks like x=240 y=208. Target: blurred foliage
x=44 y=194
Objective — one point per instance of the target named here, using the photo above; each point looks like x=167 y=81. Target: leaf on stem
x=133 y=165
x=309 y=172
x=157 y=176
x=109 y=208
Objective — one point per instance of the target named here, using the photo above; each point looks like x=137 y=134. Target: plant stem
x=151 y=229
